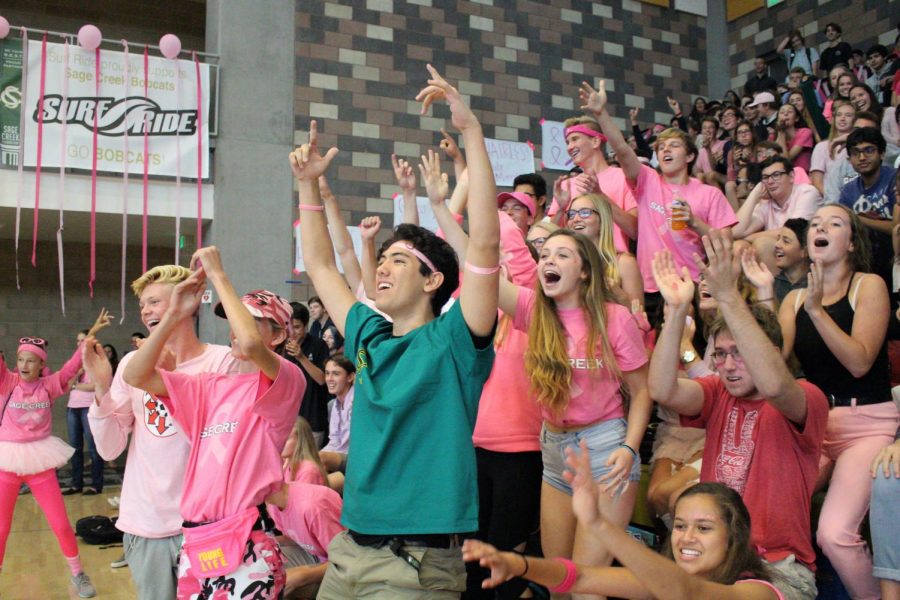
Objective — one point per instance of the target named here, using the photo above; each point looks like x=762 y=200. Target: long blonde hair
x=305 y=449
x=546 y=358
x=839 y=102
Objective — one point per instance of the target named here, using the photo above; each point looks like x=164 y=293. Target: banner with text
x=509 y=159
x=10 y=100
x=168 y=112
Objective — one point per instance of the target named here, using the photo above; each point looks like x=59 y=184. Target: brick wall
x=360 y=63
x=864 y=22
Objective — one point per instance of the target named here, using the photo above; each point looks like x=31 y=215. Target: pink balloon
x=89 y=37
x=170 y=45
x=4 y=28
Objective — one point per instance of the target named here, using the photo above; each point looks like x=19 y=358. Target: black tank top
x=825 y=370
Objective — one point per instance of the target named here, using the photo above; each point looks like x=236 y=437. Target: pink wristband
x=313 y=207
x=481 y=270
x=569 y=581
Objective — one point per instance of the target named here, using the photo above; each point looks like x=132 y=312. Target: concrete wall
x=361 y=63
x=864 y=22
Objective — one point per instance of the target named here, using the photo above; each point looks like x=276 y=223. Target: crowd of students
x=496 y=381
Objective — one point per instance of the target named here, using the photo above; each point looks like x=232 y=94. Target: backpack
x=98 y=530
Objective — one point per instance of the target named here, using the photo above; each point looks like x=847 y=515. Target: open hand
x=592 y=100
x=403 y=171
x=436 y=183
x=676 y=288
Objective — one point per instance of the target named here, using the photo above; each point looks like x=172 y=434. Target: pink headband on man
x=36 y=350
x=585 y=130
x=404 y=245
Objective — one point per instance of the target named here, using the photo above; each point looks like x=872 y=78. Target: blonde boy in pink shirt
x=237 y=425
x=152 y=488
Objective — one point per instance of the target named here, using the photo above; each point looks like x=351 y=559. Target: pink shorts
x=260 y=575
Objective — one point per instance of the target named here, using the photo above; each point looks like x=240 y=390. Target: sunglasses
x=35 y=341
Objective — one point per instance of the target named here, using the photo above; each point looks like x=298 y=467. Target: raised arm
x=368 y=229
x=436 y=187
x=681 y=395
x=406 y=179
x=141 y=371
x=307 y=165
x=478 y=295
x=857 y=351
x=448 y=145
x=343 y=243
x=760 y=356
x=242 y=323
x=595 y=101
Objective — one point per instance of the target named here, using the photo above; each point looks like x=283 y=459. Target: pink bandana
x=408 y=247
x=585 y=130
x=36 y=350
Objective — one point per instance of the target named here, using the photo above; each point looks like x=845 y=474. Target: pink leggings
x=852 y=439
x=45 y=488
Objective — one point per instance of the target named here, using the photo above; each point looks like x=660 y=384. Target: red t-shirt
x=770 y=461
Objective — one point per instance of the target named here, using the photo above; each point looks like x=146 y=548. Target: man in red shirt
x=764 y=429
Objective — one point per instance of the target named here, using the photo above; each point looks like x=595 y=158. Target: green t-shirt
x=411 y=465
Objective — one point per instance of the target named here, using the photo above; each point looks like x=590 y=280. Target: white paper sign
x=426 y=215
x=509 y=159
x=300 y=266
x=168 y=112
x=553 y=146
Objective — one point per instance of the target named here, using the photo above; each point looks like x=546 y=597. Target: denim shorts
x=885 y=527
x=602 y=439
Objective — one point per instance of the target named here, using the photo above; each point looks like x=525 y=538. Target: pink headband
x=36 y=350
x=584 y=129
x=404 y=245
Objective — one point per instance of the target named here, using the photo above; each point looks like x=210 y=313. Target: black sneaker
x=70 y=491
x=90 y=492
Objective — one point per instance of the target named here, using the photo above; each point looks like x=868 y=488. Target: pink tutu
x=28 y=458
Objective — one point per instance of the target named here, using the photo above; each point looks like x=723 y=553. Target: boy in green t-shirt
x=410 y=492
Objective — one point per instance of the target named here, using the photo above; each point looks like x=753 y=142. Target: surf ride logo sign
x=168 y=113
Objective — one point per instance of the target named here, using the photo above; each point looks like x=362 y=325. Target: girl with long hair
x=793 y=135
x=827 y=152
x=796 y=99
x=583 y=350
x=301 y=456
x=836 y=327
x=708 y=555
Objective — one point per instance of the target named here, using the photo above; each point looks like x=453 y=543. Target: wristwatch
x=688 y=356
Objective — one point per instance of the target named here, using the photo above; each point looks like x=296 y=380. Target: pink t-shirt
x=801 y=204
x=704 y=162
x=594 y=394
x=28 y=405
x=81 y=398
x=804 y=138
x=307 y=472
x=654 y=197
x=311 y=517
x=151 y=490
x=237 y=426
x=613 y=184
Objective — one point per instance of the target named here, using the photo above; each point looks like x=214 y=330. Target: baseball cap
x=521 y=197
x=264 y=304
x=762 y=98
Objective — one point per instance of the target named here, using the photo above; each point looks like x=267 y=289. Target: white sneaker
x=83 y=586
x=119 y=562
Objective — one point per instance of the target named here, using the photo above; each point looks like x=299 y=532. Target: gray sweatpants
x=154 y=565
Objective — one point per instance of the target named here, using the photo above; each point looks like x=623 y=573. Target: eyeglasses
x=743 y=181
x=36 y=341
x=538 y=242
x=744 y=132
x=720 y=356
x=856 y=152
x=584 y=213
x=774 y=177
